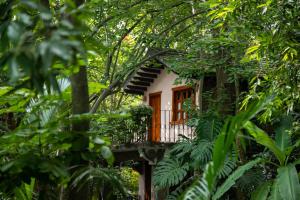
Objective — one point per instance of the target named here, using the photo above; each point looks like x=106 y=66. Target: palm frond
x=169 y=172
x=209 y=127
x=205 y=186
x=181 y=149
x=98 y=177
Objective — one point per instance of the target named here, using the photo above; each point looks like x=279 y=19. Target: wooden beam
x=131 y=91
x=149 y=80
x=148 y=75
x=156 y=66
x=151 y=70
x=142 y=83
x=136 y=87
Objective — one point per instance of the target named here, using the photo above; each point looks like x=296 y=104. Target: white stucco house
x=159 y=89
x=157 y=83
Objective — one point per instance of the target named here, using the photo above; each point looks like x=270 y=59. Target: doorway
x=155 y=103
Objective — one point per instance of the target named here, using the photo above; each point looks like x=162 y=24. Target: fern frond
x=179 y=191
x=169 y=172
x=250 y=180
x=198 y=191
x=230 y=181
x=228 y=167
x=98 y=177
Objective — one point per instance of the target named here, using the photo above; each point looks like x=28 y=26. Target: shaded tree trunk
x=221 y=78
x=80 y=105
x=80 y=99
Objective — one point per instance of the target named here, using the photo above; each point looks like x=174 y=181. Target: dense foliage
x=53 y=132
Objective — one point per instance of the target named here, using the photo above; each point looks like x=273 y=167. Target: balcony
x=158 y=128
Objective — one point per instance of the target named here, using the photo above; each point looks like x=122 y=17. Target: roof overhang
x=142 y=78
x=145 y=74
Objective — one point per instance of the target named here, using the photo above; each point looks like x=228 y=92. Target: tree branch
x=106 y=92
x=111 y=54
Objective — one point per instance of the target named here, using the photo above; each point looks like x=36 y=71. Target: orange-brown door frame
x=155 y=103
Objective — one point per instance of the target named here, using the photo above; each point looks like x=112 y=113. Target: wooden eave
x=142 y=79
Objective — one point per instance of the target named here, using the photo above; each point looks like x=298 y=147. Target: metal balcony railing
x=160 y=128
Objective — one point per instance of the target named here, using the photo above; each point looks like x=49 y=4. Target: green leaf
x=61 y=50
x=225 y=140
x=95 y=87
x=14 y=73
x=107 y=154
x=7 y=166
x=4 y=90
x=14 y=31
x=262 y=138
x=282 y=137
x=288 y=183
x=252 y=49
x=98 y=140
x=261 y=193
x=169 y=172
x=275 y=195
x=230 y=181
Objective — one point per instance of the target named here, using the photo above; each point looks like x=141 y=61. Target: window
x=180 y=94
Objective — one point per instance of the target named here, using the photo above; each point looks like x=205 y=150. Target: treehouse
x=157 y=83
x=158 y=88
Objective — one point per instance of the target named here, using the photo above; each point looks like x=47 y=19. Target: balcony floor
x=148 y=151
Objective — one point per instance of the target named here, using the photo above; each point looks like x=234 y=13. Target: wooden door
x=155 y=103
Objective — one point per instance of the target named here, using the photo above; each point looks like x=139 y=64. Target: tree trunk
x=200 y=95
x=80 y=99
x=80 y=105
x=237 y=140
x=221 y=78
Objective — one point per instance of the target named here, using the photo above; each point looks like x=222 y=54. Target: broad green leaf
x=282 y=137
x=107 y=154
x=230 y=181
x=288 y=183
x=169 y=172
x=98 y=140
x=95 y=87
x=14 y=31
x=225 y=140
x=262 y=138
x=14 y=73
x=4 y=90
x=275 y=194
x=60 y=49
x=261 y=193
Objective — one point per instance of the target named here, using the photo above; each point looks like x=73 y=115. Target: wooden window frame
x=174 y=106
x=155 y=93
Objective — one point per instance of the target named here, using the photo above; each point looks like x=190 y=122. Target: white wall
x=164 y=84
